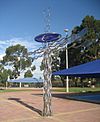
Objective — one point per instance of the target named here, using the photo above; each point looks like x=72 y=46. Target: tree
x=62 y=56
x=33 y=68
x=42 y=66
x=1 y=67
x=1 y=72
x=85 y=50
x=28 y=73
x=17 y=57
x=92 y=49
x=3 y=76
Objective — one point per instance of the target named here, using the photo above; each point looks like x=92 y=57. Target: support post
x=20 y=85
x=67 y=83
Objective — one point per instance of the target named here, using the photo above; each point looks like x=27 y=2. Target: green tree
x=1 y=67
x=92 y=48
x=17 y=57
x=33 y=68
x=1 y=72
x=42 y=66
x=28 y=73
x=85 y=50
x=3 y=77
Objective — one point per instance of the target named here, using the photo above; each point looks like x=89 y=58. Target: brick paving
x=27 y=107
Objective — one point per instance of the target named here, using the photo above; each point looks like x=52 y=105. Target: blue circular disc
x=47 y=37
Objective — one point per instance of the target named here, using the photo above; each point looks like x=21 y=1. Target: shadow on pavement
x=26 y=105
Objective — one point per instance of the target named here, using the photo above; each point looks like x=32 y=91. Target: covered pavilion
x=88 y=70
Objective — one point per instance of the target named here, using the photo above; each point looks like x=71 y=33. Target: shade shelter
x=25 y=80
x=90 y=70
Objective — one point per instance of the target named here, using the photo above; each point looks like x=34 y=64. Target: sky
x=22 y=20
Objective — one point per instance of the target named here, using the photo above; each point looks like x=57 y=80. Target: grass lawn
x=78 y=89
x=14 y=90
x=72 y=89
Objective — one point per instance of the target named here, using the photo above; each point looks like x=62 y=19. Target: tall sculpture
x=46 y=38
x=51 y=42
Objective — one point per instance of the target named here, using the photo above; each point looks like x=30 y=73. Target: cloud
x=3 y=46
x=29 y=44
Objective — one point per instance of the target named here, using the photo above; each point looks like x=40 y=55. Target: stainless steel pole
x=67 y=81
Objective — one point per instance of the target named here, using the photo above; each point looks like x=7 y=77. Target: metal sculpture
x=51 y=42
x=46 y=38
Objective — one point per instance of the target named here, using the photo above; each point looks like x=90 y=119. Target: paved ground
x=27 y=107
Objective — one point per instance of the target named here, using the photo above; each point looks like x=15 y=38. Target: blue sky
x=22 y=20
